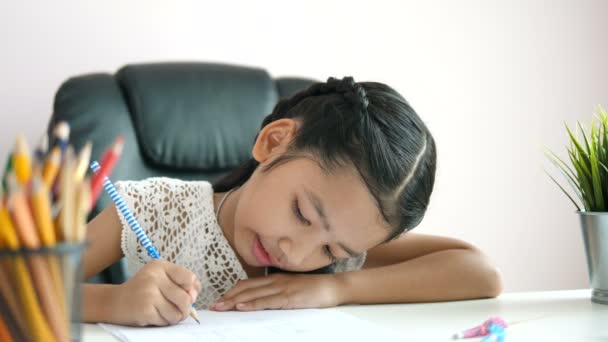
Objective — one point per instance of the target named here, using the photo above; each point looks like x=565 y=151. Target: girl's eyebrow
x=321 y=212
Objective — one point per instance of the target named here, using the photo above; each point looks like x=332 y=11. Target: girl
x=340 y=171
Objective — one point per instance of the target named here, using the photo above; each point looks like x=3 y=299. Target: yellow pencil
x=67 y=195
x=38 y=326
x=22 y=163
x=51 y=166
x=42 y=213
x=8 y=240
x=83 y=203
x=83 y=162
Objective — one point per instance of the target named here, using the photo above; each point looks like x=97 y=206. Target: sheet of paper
x=267 y=325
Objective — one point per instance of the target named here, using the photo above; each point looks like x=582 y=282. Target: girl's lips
x=260 y=253
x=274 y=260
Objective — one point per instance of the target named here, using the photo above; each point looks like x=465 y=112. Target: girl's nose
x=296 y=251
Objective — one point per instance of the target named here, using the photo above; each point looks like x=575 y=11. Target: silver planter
x=594 y=226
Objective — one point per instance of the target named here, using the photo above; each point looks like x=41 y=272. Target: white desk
x=556 y=316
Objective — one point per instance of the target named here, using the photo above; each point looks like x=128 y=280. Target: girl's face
x=296 y=216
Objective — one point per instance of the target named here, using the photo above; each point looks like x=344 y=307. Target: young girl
x=340 y=171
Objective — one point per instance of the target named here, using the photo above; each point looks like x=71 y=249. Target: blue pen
x=133 y=224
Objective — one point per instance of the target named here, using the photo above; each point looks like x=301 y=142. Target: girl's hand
x=282 y=291
x=161 y=293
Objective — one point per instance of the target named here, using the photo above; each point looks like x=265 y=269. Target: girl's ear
x=274 y=139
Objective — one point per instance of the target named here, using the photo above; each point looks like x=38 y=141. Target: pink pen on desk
x=481 y=330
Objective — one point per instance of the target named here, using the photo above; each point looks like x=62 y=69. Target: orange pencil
x=26 y=230
x=4 y=334
x=22 y=163
x=51 y=167
x=22 y=219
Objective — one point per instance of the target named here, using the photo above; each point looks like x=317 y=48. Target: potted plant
x=587 y=174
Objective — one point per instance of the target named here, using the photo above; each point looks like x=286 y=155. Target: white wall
x=494 y=80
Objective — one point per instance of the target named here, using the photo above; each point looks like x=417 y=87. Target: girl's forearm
x=97 y=302
x=441 y=276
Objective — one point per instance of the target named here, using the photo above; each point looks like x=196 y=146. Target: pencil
x=83 y=161
x=133 y=224
x=61 y=134
x=51 y=167
x=38 y=325
x=22 y=219
x=21 y=160
x=4 y=333
x=9 y=300
x=42 y=211
x=7 y=168
x=42 y=214
x=9 y=240
x=82 y=208
x=66 y=185
x=24 y=224
x=108 y=161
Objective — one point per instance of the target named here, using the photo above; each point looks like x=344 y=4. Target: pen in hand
x=133 y=224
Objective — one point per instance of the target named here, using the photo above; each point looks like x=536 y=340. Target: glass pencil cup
x=40 y=292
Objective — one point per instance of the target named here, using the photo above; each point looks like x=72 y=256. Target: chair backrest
x=182 y=120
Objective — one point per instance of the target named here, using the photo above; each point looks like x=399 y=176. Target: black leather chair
x=183 y=120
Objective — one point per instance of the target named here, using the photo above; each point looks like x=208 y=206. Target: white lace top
x=179 y=218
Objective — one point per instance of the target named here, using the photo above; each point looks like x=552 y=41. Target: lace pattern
x=178 y=218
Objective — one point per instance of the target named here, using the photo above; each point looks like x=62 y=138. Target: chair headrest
x=196 y=116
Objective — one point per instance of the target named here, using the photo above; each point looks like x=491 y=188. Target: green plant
x=588 y=174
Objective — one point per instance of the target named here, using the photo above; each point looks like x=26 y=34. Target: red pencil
x=108 y=161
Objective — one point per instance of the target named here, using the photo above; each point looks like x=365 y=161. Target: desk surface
x=554 y=315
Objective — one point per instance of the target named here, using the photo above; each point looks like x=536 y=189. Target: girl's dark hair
x=367 y=125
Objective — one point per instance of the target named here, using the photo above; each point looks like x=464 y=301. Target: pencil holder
x=40 y=292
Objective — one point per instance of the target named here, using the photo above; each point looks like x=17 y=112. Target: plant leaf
x=595 y=172
x=585 y=136
x=584 y=182
x=554 y=157
x=564 y=190
x=571 y=179
x=578 y=146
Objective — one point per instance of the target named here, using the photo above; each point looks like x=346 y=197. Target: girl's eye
x=298 y=213
x=301 y=218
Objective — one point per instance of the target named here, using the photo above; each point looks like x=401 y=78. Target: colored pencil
x=108 y=162
x=22 y=162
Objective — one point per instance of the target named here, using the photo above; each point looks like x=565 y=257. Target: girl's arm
x=413 y=268
x=421 y=268
x=103 y=236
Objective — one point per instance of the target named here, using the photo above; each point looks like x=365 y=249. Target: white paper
x=266 y=325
